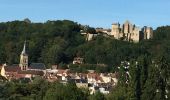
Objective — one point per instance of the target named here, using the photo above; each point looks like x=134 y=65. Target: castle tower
x=23 y=59
x=115 y=31
x=136 y=34
x=148 y=32
x=127 y=27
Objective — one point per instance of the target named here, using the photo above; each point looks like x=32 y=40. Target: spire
x=24 y=49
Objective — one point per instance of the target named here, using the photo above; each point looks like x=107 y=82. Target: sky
x=96 y=13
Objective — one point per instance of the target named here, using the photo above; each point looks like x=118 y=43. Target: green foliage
x=40 y=89
x=58 y=42
x=62 y=92
x=148 y=80
x=55 y=42
x=97 y=96
x=50 y=42
x=77 y=68
x=24 y=91
x=83 y=68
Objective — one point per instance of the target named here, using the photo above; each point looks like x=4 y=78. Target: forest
x=58 y=42
x=55 y=42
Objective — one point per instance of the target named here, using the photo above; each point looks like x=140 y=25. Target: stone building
x=78 y=60
x=127 y=27
x=24 y=59
x=116 y=30
x=148 y=32
x=22 y=70
x=131 y=33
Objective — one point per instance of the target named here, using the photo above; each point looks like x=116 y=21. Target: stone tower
x=135 y=37
x=148 y=32
x=115 y=30
x=23 y=59
x=127 y=27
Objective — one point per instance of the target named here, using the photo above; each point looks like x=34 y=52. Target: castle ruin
x=130 y=32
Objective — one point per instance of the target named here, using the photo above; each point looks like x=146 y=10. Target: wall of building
x=3 y=71
x=115 y=30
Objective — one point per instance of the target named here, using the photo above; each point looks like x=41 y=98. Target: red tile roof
x=32 y=72
x=0 y=67
x=93 y=75
x=12 y=68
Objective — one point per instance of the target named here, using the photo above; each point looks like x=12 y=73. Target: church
x=23 y=69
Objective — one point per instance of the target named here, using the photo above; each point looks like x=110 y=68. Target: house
x=10 y=72
x=106 y=78
x=89 y=36
x=15 y=72
x=31 y=73
x=94 y=78
x=62 y=72
x=37 y=67
x=2 y=70
x=78 y=60
x=80 y=83
x=104 y=90
x=54 y=67
x=93 y=89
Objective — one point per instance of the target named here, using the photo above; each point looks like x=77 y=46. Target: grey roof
x=40 y=66
x=78 y=80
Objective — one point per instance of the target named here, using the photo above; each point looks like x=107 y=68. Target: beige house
x=78 y=60
x=82 y=85
x=2 y=70
x=89 y=36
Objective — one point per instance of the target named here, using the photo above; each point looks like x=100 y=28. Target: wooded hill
x=58 y=42
x=55 y=42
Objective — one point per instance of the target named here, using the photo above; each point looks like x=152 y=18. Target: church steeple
x=24 y=58
x=24 y=51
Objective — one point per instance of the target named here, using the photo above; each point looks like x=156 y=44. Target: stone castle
x=130 y=32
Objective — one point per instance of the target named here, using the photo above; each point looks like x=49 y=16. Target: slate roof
x=38 y=66
x=78 y=80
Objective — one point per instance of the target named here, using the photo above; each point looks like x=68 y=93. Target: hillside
x=55 y=42
x=146 y=77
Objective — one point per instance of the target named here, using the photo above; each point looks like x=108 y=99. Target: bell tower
x=23 y=58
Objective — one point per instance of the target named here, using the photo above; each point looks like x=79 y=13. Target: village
x=91 y=80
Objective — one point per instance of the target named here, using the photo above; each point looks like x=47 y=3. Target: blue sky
x=96 y=13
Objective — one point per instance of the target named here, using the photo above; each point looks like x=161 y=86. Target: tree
x=61 y=92
x=97 y=96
